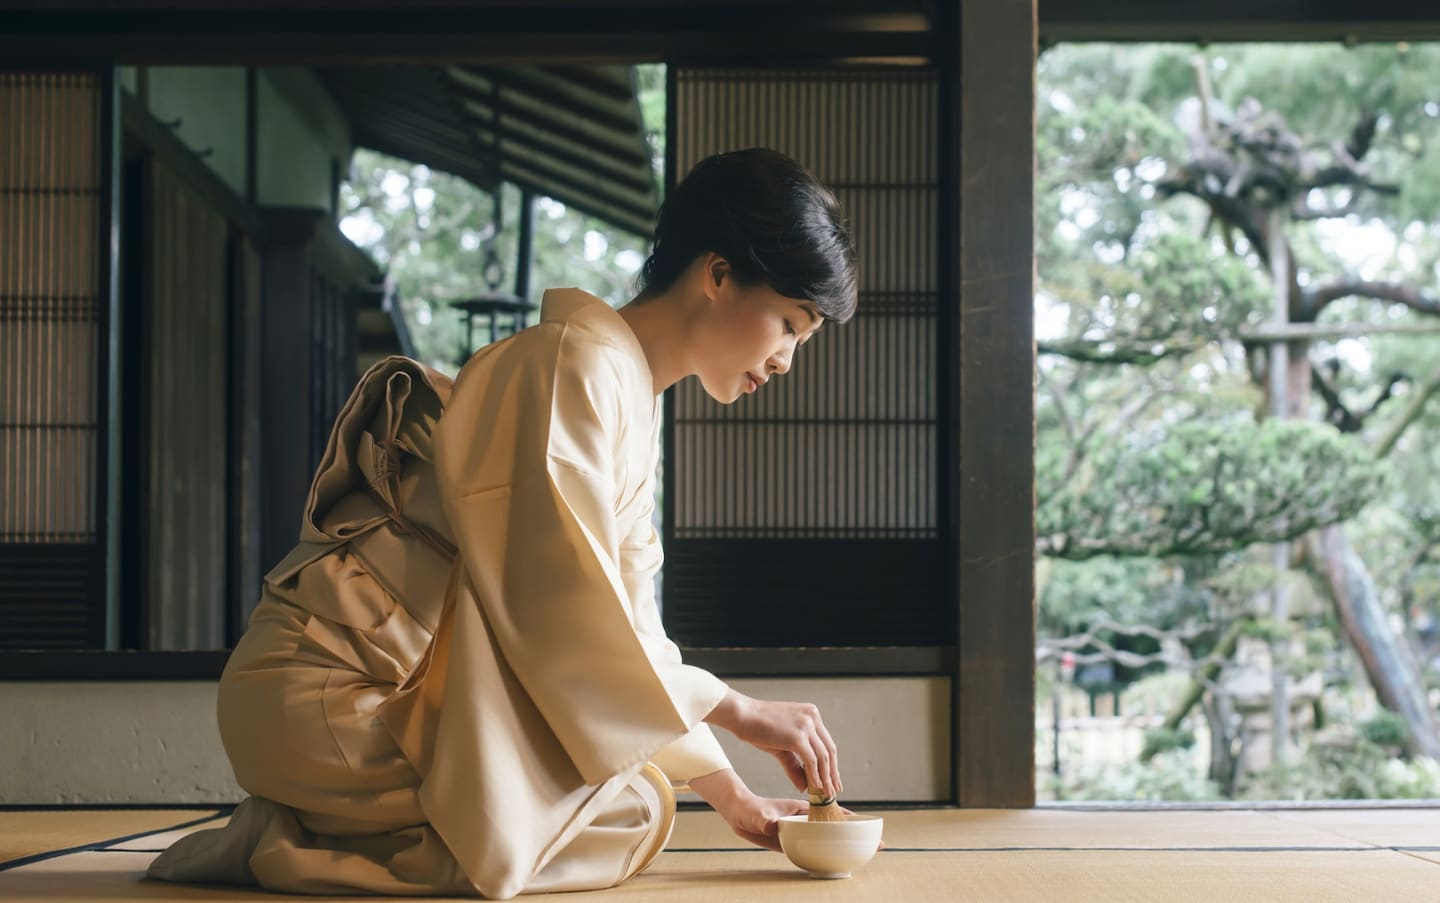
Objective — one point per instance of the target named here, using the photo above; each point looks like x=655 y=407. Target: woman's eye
x=789 y=330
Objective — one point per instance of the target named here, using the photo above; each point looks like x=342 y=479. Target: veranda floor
x=1066 y=856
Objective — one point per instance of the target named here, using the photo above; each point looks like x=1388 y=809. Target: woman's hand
x=793 y=732
x=755 y=818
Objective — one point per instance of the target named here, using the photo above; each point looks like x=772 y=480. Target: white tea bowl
x=830 y=849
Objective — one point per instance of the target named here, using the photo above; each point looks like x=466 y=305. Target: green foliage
x=1174 y=291
x=1167 y=776
x=1385 y=728
x=1267 y=629
x=1358 y=771
x=1128 y=498
x=1207 y=488
x=1160 y=740
x=1080 y=593
x=1396 y=79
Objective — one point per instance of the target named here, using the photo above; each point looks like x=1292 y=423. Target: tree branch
x=1143 y=354
x=1410 y=414
x=1336 y=413
x=1416 y=299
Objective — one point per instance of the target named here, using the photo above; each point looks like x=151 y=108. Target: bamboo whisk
x=822 y=807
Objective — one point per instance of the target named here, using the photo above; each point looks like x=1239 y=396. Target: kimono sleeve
x=525 y=459
x=698 y=752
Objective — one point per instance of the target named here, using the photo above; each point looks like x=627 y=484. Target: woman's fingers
x=794 y=769
x=834 y=752
x=813 y=773
x=796 y=734
x=822 y=766
x=769 y=842
x=762 y=827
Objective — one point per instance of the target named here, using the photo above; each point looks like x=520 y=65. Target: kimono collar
x=573 y=305
x=578 y=305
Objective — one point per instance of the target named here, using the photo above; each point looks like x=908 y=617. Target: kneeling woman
x=458 y=682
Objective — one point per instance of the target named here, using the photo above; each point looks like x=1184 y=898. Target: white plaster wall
x=293 y=169
x=893 y=735
x=86 y=742
x=156 y=741
x=209 y=101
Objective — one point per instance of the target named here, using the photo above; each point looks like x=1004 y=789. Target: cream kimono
x=453 y=679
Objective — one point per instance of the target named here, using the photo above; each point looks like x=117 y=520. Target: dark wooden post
x=246 y=477
x=525 y=255
x=987 y=154
x=286 y=385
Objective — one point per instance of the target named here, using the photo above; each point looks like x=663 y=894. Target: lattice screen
x=51 y=319
x=808 y=512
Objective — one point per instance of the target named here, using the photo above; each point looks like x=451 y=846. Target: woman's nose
x=780 y=363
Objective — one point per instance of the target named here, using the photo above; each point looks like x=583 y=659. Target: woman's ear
x=717 y=268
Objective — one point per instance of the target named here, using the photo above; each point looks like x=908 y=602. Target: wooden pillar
x=246 y=428
x=987 y=52
x=525 y=255
x=286 y=385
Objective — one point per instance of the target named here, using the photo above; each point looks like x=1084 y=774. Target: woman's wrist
x=720 y=788
x=729 y=711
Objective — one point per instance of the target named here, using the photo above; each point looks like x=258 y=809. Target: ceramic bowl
x=830 y=849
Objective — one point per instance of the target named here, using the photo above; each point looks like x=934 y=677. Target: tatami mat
x=990 y=829
x=932 y=855
x=1380 y=827
x=1008 y=877
x=25 y=833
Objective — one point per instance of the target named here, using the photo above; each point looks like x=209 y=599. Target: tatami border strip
x=1351 y=849
x=1015 y=850
x=116 y=807
x=89 y=847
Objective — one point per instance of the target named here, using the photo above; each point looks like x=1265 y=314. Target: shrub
x=1385 y=729
x=1167 y=776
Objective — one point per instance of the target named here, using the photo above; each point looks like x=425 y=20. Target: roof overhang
x=572 y=133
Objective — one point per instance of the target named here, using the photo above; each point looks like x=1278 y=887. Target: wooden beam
x=988 y=153
x=1235 y=20
x=479 y=108
x=823 y=661
x=309 y=33
x=569 y=99
x=1296 y=332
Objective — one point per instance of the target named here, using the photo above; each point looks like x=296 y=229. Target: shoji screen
x=51 y=321
x=807 y=514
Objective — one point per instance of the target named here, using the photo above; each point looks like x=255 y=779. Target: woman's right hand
x=793 y=732
x=752 y=817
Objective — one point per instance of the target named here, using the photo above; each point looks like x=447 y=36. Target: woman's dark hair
x=773 y=221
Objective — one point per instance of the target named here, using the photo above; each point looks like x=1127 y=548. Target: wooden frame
x=985 y=155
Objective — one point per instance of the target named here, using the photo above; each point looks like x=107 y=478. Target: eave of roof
x=572 y=133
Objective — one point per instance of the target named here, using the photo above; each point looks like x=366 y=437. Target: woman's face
x=750 y=334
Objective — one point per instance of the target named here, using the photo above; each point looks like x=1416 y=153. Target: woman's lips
x=754 y=383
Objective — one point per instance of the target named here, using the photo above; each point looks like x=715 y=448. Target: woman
x=458 y=681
